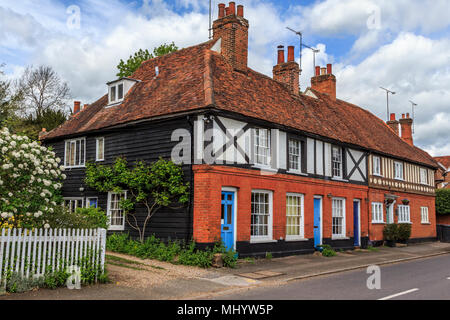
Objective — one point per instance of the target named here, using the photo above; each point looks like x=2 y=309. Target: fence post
x=102 y=249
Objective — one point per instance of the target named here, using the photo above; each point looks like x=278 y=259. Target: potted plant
x=404 y=232
x=405 y=202
x=390 y=234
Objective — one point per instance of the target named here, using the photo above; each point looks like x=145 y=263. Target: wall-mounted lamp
x=329 y=195
x=81 y=189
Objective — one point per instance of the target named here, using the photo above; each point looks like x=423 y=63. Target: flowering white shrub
x=30 y=181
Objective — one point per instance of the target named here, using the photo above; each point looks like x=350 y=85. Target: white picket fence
x=31 y=253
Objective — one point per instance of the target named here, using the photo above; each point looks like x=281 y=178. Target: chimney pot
x=291 y=53
x=323 y=71
x=407 y=116
x=232 y=7
x=329 y=68
x=76 y=107
x=392 y=116
x=221 y=10
x=280 y=54
x=403 y=116
x=317 y=71
x=240 y=10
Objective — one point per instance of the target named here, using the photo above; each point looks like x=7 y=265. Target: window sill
x=256 y=241
x=265 y=168
x=377 y=175
x=339 y=179
x=293 y=239
x=100 y=160
x=426 y=223
x=339 y=238
x=298 y=173
x=405 y=222
x=116 y=229
x=74 y=167
x=378 y=222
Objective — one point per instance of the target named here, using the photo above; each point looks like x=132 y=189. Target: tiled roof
x=445 y=161
x=197 y=77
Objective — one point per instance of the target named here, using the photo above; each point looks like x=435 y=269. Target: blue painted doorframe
x=227 y=228
x=356 y=223
x=317 y=214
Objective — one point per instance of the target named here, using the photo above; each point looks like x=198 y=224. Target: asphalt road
x=424 y=279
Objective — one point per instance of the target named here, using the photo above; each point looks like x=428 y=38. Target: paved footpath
x=248 y=275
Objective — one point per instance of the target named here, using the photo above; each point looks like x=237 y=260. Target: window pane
x=260 y=214
x=112 y=96
x=120 y=92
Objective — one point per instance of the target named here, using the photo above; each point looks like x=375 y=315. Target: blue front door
x=317 y=211
x=356 y=223
x=227 y=229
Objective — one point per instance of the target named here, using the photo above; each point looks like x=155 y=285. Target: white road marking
x=399 y=294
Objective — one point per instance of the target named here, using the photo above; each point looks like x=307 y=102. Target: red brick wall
x=440 y=219
x=418 y=230
x=209 y=180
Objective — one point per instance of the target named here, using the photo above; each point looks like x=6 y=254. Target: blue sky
x=403 y=45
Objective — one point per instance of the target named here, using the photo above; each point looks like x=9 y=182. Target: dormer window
x=118 y=89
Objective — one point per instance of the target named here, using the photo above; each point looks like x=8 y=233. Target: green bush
x=173 y=251
x=390 y=232
x=404 y=231
x=327 y=251
x=443 y=201
x=82 y=218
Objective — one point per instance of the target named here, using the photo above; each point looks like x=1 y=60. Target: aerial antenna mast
x=210 y=19
x=387 y=99
x=301 y=44
x=413 y=105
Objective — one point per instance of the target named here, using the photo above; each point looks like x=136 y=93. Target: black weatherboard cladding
x=145 y=142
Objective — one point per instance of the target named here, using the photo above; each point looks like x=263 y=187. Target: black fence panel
x=443 y=233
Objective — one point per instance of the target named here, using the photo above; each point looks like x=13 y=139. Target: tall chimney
x=406 y=129
x=232 y=29
x=393 y=124
x=324 y=81
x=76 y=107
x=287 y=72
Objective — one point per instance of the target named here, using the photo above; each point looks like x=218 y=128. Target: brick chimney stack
x=287 y=72
x=406 y=129
x=394 y=124
x=324 y=81
x=232 y=29
x=76 y=107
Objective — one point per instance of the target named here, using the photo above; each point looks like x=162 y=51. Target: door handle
x=316 y=227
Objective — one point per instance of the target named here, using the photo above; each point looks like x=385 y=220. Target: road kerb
x=363 y=266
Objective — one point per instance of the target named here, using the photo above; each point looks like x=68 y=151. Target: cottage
x=271 y=168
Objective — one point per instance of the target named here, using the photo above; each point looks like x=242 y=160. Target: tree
x=9 y=101
x=155 y=186
x=30 y=182
x=43 y=90
x=126 y=69
x=443 y=201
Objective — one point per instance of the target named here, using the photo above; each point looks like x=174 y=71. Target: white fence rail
x=35 y=252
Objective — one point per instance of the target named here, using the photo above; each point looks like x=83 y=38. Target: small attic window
x=118 y=89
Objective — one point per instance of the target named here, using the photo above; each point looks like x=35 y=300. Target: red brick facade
x=419 y=230
x=209 y=181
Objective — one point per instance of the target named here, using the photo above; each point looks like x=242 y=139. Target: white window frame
x=97 y=158
x=376 y=165
x=341 y=162
x=299 y=155
x=424 y=214
x=398 y=170
x=342 y=235
x=268 y=237
x=424 y=176
x=66 y=160
x=301 y=225
x=403 y=213
x=115 y=100
x=72 y=199
x=115 y=227
x=267 y=149
x=377 y=212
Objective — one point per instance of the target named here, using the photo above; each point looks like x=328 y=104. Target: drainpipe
x=191 y=184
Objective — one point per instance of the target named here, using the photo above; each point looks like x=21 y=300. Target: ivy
x=443 y=201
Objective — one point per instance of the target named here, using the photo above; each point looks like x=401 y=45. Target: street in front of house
x=424 y=279
x=423 y=268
